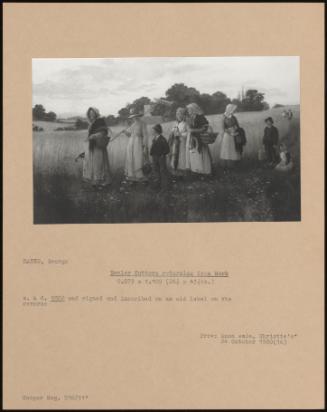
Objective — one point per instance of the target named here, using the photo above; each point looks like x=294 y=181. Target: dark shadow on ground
x=252 y=192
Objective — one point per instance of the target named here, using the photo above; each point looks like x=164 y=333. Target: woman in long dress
x=177 y=141
x=198 y=159
x=230 y=125
x=96 y=168
x=137 y=148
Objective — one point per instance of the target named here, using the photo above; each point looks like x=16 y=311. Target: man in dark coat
x=270 y=140
x=158 y=152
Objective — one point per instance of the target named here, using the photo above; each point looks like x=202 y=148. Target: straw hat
x=134 y=113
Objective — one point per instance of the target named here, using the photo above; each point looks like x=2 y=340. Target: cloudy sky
x=70 y=86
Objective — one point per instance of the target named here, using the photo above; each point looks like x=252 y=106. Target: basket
x=208 y=137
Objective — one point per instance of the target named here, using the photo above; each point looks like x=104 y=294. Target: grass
x=251 y=193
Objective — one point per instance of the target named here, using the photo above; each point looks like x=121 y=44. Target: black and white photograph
x=166 y=139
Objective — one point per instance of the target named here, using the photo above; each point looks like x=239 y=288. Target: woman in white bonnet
x=230 y=125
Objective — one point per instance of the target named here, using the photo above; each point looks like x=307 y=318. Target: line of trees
x=39 y=113
x=252 y=100
x=179 y=95
x=81 y=124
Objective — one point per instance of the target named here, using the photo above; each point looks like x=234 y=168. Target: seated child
x=158 y=152
x=286 y=163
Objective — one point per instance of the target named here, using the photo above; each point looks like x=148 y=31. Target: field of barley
x=54 y=152
x=59 y=198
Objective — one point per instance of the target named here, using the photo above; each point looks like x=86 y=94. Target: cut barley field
x=250 y=193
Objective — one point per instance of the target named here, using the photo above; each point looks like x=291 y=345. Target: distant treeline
x=39 y=113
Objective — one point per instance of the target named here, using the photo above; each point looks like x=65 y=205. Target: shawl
x=96 y=111
x=99 y=125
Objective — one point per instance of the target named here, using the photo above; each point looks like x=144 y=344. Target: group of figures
x=185 y=151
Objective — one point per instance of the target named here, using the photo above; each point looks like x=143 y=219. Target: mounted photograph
x=166 y=139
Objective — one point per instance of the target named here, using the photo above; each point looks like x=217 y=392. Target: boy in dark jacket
x=270 y=140
x=159 y=151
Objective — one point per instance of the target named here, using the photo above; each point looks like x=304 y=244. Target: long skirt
x=182 y=155
x=96 y=168
x=134 y=160
x=198 y=162
x=228 y=151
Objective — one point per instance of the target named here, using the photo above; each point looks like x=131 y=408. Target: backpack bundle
x=239 y=139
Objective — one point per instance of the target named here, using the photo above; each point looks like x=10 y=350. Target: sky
x=69 y=86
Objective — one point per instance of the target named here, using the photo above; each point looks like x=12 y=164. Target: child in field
x=288 y=114
x=158 y=152
x=270 y=141
x=285 y=163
